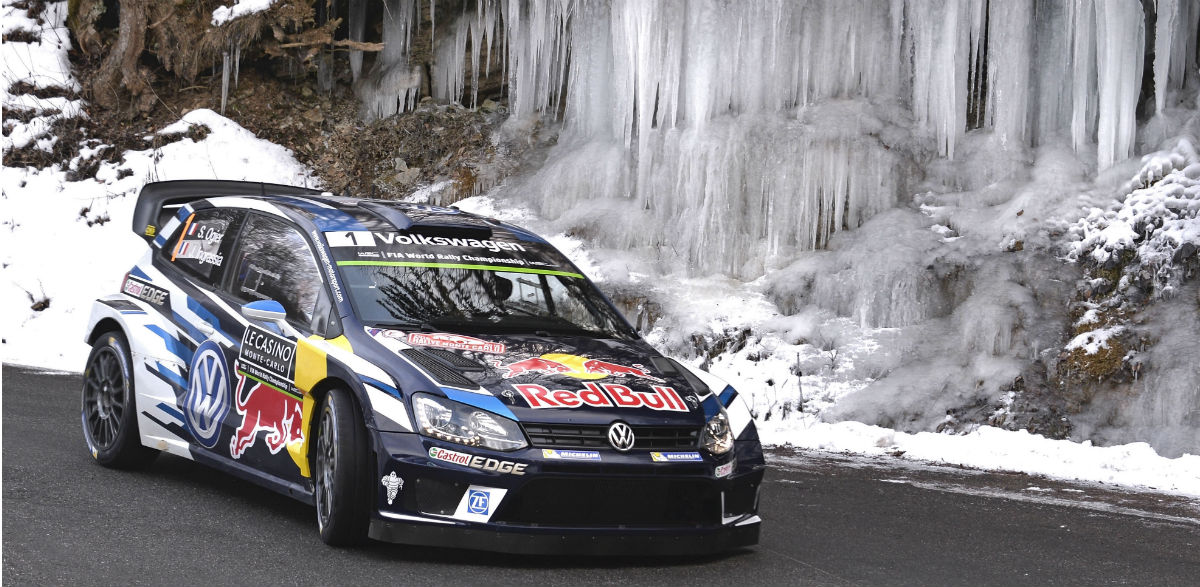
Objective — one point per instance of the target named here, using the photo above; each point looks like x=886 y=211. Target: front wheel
x=340 y=470
x=109 y=412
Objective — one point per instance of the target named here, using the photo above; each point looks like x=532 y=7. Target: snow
x=50 y=234
x=240 y=8
x=1134 y=464
x=42 y=64
x=1159 y=217
x=1091 y=342
x=918 y=300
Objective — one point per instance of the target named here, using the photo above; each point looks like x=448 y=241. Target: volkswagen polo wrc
x=419 y=374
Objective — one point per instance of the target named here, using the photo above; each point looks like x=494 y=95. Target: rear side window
x=203 y=242
x=275 y=263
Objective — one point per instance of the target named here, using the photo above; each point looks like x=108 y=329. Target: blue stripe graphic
x=177 y=348
x=137 y=272
x=381 y=385
x=170 y=375
x=484 y=402
x=727 y=395
x=171 y=411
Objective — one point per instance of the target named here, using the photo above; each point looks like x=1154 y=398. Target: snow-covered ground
x=64 y=243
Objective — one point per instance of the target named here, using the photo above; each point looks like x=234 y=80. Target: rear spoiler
x=155 y=196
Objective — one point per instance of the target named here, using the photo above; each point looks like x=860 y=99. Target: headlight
x=462 y=424
x=717 y=438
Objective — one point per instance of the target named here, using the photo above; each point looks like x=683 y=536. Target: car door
x=266 y=427
x=195 y=261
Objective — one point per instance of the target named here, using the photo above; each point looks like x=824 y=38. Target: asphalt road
x=829 y=520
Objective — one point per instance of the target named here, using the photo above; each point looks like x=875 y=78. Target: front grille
x=596 y=436
x=439 y=370
x=592 y=502
x=594 y=468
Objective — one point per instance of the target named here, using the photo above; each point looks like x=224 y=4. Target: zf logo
x=207 y=399
x=477 y=502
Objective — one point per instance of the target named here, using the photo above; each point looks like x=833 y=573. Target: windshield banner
x=383 y=248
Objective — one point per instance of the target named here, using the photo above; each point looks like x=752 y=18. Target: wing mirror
x=265 y=311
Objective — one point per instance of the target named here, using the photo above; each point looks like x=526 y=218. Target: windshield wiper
x=406 y=325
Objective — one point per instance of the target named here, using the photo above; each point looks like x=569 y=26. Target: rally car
x=420 y=374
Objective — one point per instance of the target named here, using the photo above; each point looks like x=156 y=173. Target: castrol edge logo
x=477 y=462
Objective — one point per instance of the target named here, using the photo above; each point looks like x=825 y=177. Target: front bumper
x=615 y=504
x=555 y=541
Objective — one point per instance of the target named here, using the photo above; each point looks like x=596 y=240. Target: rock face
x=1136 y=310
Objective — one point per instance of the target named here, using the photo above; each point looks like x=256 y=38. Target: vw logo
x=207 y=400
x=620 y=436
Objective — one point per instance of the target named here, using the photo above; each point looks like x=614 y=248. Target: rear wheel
x=340 y=470
x=109 y=411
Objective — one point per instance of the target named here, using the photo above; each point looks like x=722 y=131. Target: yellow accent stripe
x=341 y=342
x=311 y=368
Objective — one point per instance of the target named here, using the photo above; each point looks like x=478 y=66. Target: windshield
x=479 y=299
x=470 y=282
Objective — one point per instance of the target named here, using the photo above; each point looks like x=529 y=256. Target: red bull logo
x=576 y=367
x=607 y=395
x=265 y=408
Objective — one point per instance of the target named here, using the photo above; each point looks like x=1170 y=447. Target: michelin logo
x=671 y=457
x=571 y=455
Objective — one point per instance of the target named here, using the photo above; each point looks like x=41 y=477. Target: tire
x=109 y=407
x=340 y=471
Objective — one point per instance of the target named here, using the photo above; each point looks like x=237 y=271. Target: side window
x=571 y=307
x=274 y=262
x=203 y=242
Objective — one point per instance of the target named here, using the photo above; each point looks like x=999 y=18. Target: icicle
x=393 y=85
x=1051 y=95
x=939 y=43
x=1183 y=51
x=1164 y=33
x=1120 y=37
x=1083 y=62
x=224 y=80
x=1009 y=56
x=357 y=26
x=237 y=64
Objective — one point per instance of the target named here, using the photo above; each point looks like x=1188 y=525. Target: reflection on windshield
x=480 y=300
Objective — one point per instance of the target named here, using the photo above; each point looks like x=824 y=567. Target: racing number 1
x=350 y=238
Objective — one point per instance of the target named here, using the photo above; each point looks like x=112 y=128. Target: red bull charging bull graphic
x=576 y=367
x=264 y=408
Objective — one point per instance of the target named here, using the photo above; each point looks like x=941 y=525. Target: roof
x=334 y=213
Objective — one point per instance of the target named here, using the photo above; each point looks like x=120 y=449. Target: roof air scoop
x=429 y=220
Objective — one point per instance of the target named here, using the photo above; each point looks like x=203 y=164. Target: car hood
x=555 y=379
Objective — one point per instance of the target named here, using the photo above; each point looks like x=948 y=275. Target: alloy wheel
x=104 y=398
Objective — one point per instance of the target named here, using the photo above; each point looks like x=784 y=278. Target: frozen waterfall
x=774 y=123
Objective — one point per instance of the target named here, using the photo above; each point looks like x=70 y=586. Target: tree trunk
x=119 y=76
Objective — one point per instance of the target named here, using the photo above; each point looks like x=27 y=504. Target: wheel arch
x=105 y=325
x=318 y=393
